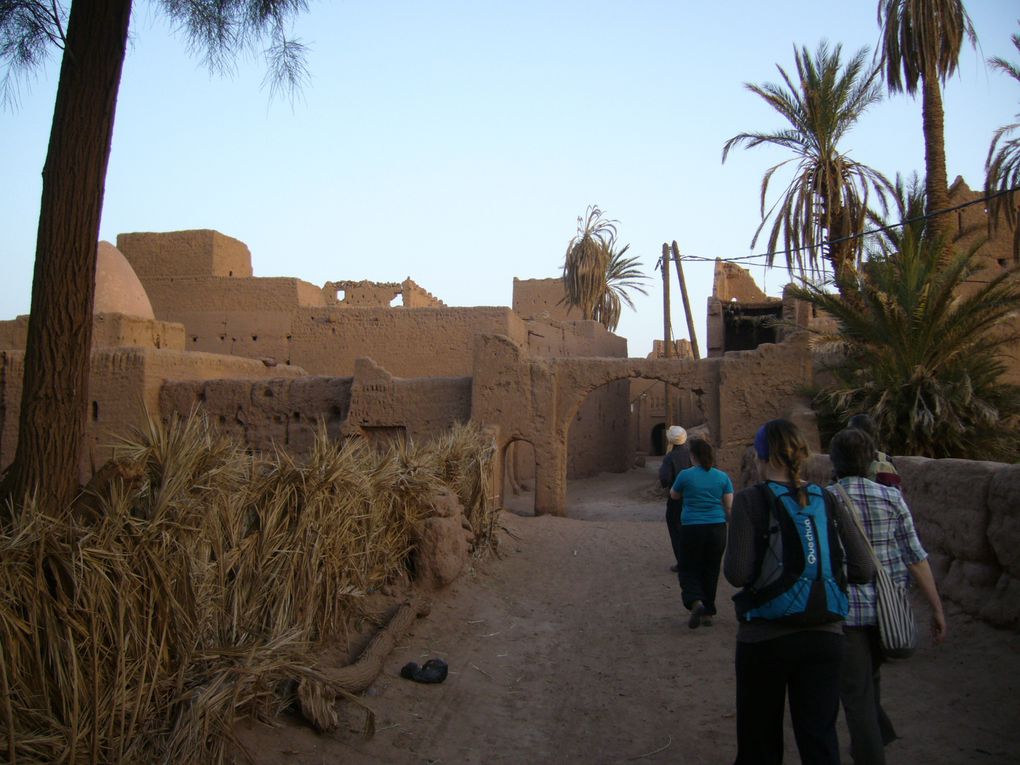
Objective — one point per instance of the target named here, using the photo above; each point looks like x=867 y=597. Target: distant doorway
x=657 y=447
x=519 y=478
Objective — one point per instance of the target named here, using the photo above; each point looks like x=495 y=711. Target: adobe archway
x=536 y=399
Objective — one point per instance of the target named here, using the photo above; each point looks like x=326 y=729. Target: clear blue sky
x=457 y=142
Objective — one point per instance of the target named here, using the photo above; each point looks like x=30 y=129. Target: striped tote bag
x=896 y=626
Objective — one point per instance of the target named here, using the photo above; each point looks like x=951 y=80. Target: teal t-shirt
x=703 y=491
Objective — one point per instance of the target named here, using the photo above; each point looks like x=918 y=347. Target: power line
x=763 y=258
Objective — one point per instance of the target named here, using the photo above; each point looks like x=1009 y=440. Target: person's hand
x=938 y=627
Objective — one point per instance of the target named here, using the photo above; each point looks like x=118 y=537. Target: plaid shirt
x=890 y=528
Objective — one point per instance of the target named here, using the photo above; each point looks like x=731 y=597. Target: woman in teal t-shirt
x=707 y=494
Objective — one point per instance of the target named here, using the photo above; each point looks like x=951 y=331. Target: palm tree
x=921 y=43
x=1002 y=168
x=597 y=276
x=918 y=351
x=823 y=209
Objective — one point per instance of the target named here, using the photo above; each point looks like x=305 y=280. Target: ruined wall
x=416 y=296
x=732 y=282
x=203 y=280
x=542 y=299
x=123 y=384
x=366 y=294
x=287 y=413
x=732 y=287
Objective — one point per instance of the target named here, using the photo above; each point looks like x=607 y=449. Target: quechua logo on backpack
x=801 y=579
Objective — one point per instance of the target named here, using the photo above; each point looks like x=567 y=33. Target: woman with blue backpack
x=792 y=550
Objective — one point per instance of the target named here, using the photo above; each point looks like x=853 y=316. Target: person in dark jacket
x=678 y=458
x=776 y=657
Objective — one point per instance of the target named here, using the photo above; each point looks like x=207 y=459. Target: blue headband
x=761 y=443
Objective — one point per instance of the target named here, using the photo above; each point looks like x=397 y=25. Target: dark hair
x=787 y=448
x=865 y=422
x=851 y=451
x=703 y=452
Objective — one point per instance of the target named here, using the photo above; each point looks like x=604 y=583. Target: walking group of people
x=804 y=559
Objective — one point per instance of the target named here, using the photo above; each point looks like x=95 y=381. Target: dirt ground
x=573 y=647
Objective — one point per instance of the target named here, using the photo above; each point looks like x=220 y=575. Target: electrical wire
x=764 y=258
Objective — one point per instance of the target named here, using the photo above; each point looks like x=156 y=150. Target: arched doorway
x=519 y=477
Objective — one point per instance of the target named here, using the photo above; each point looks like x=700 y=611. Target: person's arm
x=860 y=566
x=727 y=504
x=913 y=554
x=666 y=471
x=738 y=561
x=677 y=492
x=921 y=572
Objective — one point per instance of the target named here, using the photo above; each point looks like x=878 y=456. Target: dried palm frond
x=194 y=593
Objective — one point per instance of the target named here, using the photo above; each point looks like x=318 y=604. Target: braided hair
x=787 y=449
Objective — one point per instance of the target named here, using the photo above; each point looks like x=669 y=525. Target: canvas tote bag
x=896 y=626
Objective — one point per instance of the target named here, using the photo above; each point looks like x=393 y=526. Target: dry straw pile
x=193 y=591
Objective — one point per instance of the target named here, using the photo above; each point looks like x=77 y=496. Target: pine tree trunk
x=57 y=354
x=936 y=184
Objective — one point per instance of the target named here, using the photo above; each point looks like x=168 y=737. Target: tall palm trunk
x=57 y=354
x=936 y=184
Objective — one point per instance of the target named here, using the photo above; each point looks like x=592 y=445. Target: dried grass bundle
x=465 y=456
x=193 y=593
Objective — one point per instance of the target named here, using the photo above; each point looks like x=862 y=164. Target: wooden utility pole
x=683 y=294
x=667 y=342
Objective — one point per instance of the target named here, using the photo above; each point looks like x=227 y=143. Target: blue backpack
x=799 y=559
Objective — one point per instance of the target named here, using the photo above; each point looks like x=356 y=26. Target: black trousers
x=674 y=507
x=860 y=691
x=701 y=552
x=805 y=663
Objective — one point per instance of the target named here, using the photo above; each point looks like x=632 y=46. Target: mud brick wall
x=968 y=517
x=542 y=298
x=423 y=342
x=201 y=252
x=124 y=384
x=288 y=413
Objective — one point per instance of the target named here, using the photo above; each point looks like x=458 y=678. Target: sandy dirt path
x=573 y=647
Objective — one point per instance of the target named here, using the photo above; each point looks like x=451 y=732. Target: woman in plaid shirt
x=890 y=529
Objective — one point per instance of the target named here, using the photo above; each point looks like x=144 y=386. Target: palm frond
x=823 y=208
